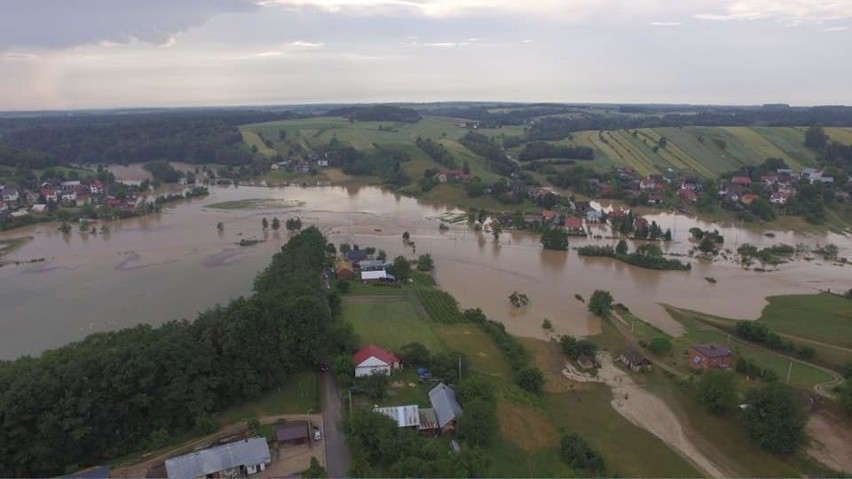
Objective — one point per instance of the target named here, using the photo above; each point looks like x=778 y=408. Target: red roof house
x=548 y=215
x=372 y=359
x=710 y=356
x=689 y=195
x=749 y=198
x=741 y=180
x=573 y=223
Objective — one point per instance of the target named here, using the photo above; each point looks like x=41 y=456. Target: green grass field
x=255 y=204
x=390 y=324
x=843 y=135
x=299 y=394
x=821 y=317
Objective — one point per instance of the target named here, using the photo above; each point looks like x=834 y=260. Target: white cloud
x=271 y=53
x=18 y=56
x=303 y=44
x=665 y=24
x=836 y=29
x=527 y=40
x=786 y=12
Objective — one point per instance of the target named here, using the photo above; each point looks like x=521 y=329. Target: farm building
x=236 y=459
x=447 y=409
x=356 y=255
x=405 y=416
x=343 y=269
x=373 y=276
x=371 y=265
x=372 y=359
x=710 y=356
x=294 y=432
x=635 y=361
x=574 y=224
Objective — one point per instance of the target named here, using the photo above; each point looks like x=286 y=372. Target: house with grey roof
x=236 y=459
x=447 y=408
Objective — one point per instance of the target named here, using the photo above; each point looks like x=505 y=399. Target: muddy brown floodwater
x=174 y=264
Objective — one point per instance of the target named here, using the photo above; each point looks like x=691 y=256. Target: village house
x=841 y=196
x=372 y=359
x=655 y=200
x=548 y=216
x=635 y=361
x=50 y=194
x=95 y=472
x=96 y=187
x=38 y=209
x=810 y=174
x=647 y=184
x=743 y=181
x=710 y=356
x=582 y=206
x=749 y=198
x=691 y=184
x=688 y=195
x=458 y=175
x=355 y=256
x=69 y=185
x=594 y=216
x=343 y=269
x=236 y=459
x=68 y=196
x=778 y=198
x=574 y=225
x=9 y=194
x=372 y=265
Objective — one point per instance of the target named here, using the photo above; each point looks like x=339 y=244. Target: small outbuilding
x=405 y=416
x=447 y=408
x=290 y=433
x=343 y=270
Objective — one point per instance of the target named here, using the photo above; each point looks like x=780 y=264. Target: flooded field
x=174 y=264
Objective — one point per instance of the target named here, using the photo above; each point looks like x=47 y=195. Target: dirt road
x=831 y=441
x=647 y=411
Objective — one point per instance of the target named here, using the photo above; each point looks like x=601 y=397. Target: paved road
x=336 y=453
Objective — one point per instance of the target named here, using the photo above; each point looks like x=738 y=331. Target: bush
x=574 y=348
x=576 y=452
x=774 y=418
x=600 y=302
x=530 y=379
x=717 y=391
x=343 y=285
x=660 y=346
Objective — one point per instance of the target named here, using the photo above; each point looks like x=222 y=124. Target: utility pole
x=350 y=401
x=789 y=370
x=460 y=378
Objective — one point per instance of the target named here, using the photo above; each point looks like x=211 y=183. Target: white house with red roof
x=372 y=359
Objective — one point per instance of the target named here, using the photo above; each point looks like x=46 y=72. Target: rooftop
x=443 y=400
x=712 y=350
x=405 y=416
x=250 y=451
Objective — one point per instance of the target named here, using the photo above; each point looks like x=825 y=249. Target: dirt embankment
x=647 y=411
x=831 y=441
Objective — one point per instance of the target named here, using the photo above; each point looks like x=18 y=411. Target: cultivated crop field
x=704 y=151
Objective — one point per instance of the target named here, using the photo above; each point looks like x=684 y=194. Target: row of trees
x=436 y=151
x=116 y=392
x=491 y=151
x=540 y=149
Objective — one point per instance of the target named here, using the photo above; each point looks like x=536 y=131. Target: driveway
x=336 y=453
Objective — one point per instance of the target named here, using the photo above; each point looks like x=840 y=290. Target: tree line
x=116 y=392
x=539 y=149
x=378 y=113
x=193 y=137
x=491 y=151
x=436 y=151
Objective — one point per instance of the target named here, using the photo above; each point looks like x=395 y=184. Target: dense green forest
x=116 y=392
x=491 y=151
x=383 y=162
x=378 y=113
x=436 y=151
x=540 y=149
x=194 y=137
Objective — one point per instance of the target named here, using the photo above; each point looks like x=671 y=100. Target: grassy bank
x=256 y=204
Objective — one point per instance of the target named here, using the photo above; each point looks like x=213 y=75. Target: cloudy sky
x=57 y=54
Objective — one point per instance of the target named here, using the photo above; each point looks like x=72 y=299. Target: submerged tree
x=519 y=300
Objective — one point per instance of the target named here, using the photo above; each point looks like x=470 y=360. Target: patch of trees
x=577 y=178
x=575 y=348
x=555 y=238
x=774 y=418
x=540 y=149
x=496 y=115
x=378 y=446
x=478 y=425
x=193 y=137
x=383 y=162
x=648 y=256
x=163 y=171
x=378 y=113
x=116 y=392
x=758 y=332
x=600 y=303
x=436 y=151
x=576 y=452
x=527 y=377
x=24 y=158
x=753 y=370
x=717 y=391
x=769 y=255
x=491 y=151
